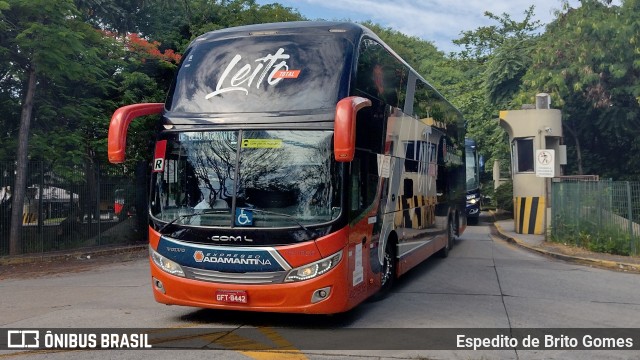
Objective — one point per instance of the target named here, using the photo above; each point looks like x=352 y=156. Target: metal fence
x=71 y=207
x=602 y=216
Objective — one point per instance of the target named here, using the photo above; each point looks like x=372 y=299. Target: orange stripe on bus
x=286 y=74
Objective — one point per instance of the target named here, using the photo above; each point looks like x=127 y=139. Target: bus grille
x=234 y=278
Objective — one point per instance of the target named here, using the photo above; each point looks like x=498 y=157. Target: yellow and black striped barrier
x=528 y=213
x=29 y=218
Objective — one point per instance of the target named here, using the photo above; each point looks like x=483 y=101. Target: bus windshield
x=242 y=178
x=260 y=74
x=473 y=180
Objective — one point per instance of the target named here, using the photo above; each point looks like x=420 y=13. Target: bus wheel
x=444 y=252
x=388 y=274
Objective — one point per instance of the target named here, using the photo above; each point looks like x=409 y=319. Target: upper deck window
x=260 y=74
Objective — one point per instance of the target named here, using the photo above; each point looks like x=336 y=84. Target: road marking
x=280 y=348
x=285 y=351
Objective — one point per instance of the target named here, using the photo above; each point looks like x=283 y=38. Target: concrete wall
x=544 y=128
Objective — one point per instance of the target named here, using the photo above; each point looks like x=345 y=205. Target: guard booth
x=535 y=135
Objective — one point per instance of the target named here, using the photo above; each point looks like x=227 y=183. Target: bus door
x=363 y=217
x=364 y=201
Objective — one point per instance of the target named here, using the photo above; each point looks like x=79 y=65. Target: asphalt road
x=485 y=283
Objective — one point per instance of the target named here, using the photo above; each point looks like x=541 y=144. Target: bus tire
x=389 y=271
x=444 y=252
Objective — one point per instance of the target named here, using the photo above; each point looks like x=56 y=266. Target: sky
x=438 y=21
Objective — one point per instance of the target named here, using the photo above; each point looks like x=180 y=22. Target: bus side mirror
x=344 y=135
x=120 y=124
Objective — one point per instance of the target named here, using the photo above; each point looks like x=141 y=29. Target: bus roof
x=347 y=31
x=350 y=30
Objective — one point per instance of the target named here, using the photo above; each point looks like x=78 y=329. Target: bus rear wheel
x=444 y=252
x=388 y=273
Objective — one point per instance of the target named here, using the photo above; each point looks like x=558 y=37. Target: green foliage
x=505 y=69
x=74 y=65
x=588 y=61
x=602 y=239
x=175 y=23
x=504 y=197
x=480 y=44
x=114 y=15
x=488 y=73
x=615 y=244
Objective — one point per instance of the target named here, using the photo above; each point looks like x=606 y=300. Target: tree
x=145 y=77
x=9 y=102
x=46 y=43
x=481 y=43
x=119 y=16
x=505 y=69
x=588 y=61
x=491 y=66
x=176 y=23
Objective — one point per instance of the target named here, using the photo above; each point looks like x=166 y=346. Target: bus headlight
x=165 y=264
x=312 y=270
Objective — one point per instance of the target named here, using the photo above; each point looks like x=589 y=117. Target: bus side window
x=370 y=127
x=356 y=189
x=363 y=182
x=441 y=181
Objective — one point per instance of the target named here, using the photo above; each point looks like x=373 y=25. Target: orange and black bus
x=299 y=167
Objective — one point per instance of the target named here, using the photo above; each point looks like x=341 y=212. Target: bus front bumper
x=325 y=294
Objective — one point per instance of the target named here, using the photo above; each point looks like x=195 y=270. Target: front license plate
x=232 y=296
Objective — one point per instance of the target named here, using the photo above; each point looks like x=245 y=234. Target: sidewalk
x=505 y=229
x=88 y=259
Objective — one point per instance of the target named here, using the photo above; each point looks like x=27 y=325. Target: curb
x=609 y=264
x=70 y=255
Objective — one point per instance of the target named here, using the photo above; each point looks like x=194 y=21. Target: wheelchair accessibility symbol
x=244 y=217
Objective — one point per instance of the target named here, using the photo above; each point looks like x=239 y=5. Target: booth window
x=523 y=154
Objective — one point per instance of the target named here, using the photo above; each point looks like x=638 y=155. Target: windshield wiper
x=282 y=214
x=187 y=216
